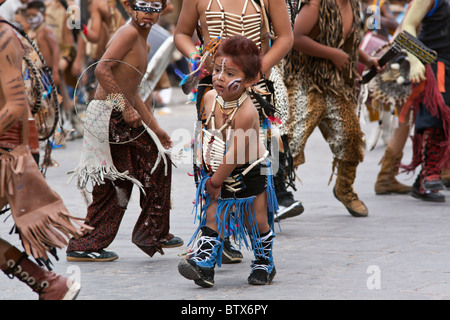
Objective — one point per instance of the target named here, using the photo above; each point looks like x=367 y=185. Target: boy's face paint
x=146 y=7
x=227 y=78
x=34 y=20
x=234 y=85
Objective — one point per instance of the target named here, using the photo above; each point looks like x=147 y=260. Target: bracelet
x=213 y=186
x=195 y=52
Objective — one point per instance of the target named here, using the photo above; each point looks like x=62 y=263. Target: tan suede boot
x=386 y=182
x=46 y=284
x=343 y=189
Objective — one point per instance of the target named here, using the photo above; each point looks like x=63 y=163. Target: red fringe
x=432 y=98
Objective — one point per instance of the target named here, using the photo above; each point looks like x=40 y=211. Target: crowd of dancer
x=263 y=73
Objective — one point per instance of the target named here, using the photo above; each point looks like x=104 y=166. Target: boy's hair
x=37 y=4
x=243 y=52
x=131 y=2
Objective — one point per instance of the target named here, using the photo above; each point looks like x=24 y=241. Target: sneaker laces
x=262 y=262
x=204 y=248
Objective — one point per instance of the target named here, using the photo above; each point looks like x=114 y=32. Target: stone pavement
x=401 y=251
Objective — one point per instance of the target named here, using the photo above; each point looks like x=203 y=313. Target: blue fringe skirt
x=236 y=215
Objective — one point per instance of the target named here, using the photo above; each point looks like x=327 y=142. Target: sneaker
x=202 y=276
x=100 y=256
x=173 y=243
x=433 y=183
x=288 y=207
x=229 y=253
x=199 y=266
x=263 y=272
x=431 y=196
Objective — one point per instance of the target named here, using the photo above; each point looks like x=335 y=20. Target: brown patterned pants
x=334 y=116
x=110 y=200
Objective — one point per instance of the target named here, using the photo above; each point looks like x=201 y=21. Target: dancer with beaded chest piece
x=236 y=186
x=215 y=20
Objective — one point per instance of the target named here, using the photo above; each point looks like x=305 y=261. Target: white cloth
x=96 y=162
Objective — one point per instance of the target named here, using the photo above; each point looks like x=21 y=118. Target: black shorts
x=253 y=183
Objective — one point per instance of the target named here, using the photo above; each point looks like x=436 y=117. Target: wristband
x=195 y=52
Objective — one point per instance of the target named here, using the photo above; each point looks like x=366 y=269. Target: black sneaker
x=288 y=207
x=433 y=183
x=431 y=196
x=173 y=243
x=229 y=253
x=263 y=272
x=99 y=256
x=203 y=276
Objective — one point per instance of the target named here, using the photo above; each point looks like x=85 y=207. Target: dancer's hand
x=164 y=138
x=373 y=62
x=340 y=59
x=416 y=69
x=194 y=57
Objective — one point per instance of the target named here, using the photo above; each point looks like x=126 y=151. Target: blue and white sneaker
x=263 y=269
x=199 y=265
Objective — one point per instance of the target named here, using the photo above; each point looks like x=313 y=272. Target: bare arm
x=411 y=22
x=305 y=22
x=11 y=81
x=52 y=43
x=281 y=24
x=95 y=25
x=118 y=48
x=187 y=23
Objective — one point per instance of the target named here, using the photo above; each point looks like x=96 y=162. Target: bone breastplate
x=225 y=24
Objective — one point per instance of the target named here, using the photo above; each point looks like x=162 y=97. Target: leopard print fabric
x=334 y=116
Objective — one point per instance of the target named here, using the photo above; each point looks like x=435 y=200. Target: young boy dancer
x=266 y=23
x=236 y=185
x=116 y=74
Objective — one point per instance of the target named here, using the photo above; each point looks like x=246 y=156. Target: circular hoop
x=96 y=115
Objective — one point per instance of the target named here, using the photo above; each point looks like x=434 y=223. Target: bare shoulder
x=8 y=40
x=247 y=116
x=209 y=100
x=125 y=34
x=5 y=31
